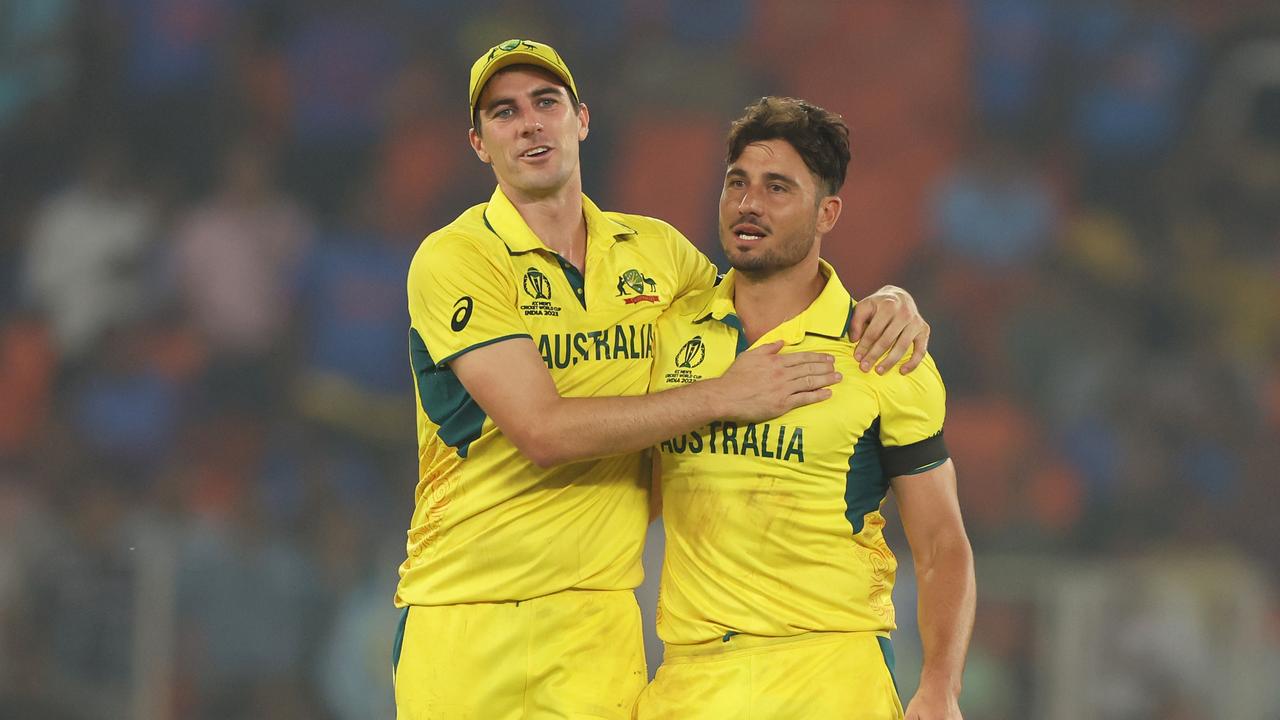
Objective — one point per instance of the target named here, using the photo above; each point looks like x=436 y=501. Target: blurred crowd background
x=208 y=207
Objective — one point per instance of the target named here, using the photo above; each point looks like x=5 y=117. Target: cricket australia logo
x=689 y=356
x=510 y=45
x=538 y=287
x=632 y=285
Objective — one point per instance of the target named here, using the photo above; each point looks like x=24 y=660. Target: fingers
x=867 y=351
x=921 y=345
x=809 y=397
x=862 y=313
x=901 y=345
x=807 y=358
x=812 y=381
x=880 y=343
x=770 y=349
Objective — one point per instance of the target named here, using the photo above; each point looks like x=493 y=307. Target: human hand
x=933 y=704
x=763 y=383
x=888 y=320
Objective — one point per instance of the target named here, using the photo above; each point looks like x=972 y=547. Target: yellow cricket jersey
x=488 y=525
x=774 y=528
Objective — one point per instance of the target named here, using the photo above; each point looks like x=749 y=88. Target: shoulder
x=467 y=237
x=647 y=227
x=686 y=309
x=922 y=384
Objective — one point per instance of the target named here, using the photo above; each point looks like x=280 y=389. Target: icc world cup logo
x=692 y=354
x=537 y=285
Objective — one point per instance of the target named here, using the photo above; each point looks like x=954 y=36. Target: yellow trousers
x=816 y=675
x=574 y=655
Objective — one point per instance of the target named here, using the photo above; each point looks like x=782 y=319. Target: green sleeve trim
x=444 y=399
x=477 y=346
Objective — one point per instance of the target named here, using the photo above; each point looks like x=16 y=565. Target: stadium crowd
x=208 y=207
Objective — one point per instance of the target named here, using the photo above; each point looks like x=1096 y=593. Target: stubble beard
x=786 y=253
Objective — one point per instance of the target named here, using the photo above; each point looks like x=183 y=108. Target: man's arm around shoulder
x=510 y=382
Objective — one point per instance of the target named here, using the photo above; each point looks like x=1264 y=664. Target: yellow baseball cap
x=517 y=52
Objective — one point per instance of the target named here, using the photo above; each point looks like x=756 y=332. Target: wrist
x=944 y=683
x=709 y=399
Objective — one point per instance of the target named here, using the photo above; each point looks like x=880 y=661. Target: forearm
x=947 y=599
x=576 y=429
x=510 y=383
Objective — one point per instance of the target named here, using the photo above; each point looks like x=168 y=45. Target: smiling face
x=772 y=210
x=529 y=130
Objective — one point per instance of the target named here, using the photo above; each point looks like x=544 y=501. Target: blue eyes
x=507 y=112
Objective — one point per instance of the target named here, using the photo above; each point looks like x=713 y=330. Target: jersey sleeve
x=912 y=409
x=460 y=299
x=693 y=270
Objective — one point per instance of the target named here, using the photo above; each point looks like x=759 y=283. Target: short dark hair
x=820 y=136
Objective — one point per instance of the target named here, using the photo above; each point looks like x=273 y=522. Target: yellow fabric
x=489 y=525
x=774 y=529
x=575 y=654
x=829 y=676
x=517 y=52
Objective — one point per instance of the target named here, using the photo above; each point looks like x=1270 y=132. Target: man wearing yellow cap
x=531 y=342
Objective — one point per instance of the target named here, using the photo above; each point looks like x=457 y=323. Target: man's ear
x=584 y=120
x=828 y=213
x=477 y=144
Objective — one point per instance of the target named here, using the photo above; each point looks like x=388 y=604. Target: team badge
x=689 y=356
x=538 y=287
x=510 y=45
x=632 y=285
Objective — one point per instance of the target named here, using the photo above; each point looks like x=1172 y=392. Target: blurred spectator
x=1134 y=65
x=422 y=154
x=354 y=379
x=27 y=364
x=79 y=662
x=248 y=601
x=341 y=62
x=353 y=669
x=126 y=409
x=36 y=55
x=235 y=264
x=174 y=53
x=995 y=211
x=1011 y=49
x=87 y=253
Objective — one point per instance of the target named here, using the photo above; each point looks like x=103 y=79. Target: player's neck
x=764 y=303
x=556 y=218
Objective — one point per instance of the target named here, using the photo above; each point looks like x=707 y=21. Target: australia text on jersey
x=728 y=438
x=618 y=342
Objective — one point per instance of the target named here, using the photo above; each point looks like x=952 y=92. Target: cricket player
x=531 y=343
x=775 y=598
